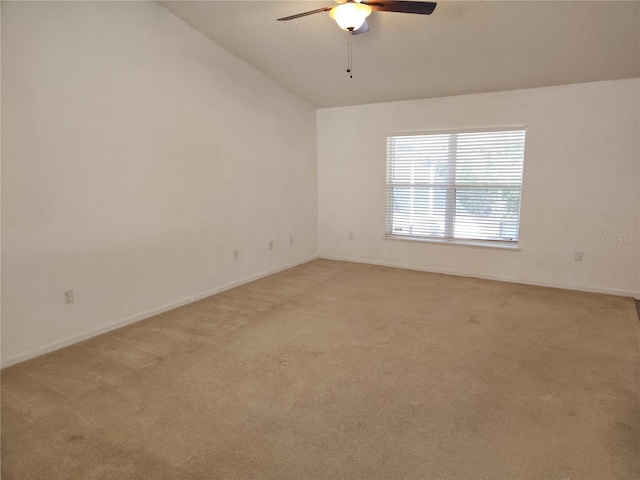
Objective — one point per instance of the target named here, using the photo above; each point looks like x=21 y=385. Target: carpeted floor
x=337 y=370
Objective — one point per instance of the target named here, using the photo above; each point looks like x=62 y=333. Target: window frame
x=513 y=245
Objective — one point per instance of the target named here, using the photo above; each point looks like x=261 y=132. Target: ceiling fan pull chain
x=349 y=56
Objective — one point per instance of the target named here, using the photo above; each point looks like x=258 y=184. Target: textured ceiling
x=463 y=47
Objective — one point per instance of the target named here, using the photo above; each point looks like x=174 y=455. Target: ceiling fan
x=351 y=15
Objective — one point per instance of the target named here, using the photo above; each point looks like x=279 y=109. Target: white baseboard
x=607 y=291
x=36 y=352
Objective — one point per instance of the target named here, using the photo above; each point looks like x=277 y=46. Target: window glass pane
x=494 y=158
x=489 y=214
x=418 y=211
x=416 y=160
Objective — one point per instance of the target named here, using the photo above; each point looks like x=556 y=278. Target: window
x=458 y=187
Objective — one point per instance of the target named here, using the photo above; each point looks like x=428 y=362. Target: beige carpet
x=337 y=370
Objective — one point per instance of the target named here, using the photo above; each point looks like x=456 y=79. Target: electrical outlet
x=578 y=257
x=350 y=235
x=235 y=254
x=271 y=245
x=68 y=296
x=291 y=240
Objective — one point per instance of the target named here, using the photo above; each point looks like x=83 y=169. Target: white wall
x=136 y=156
x=0 y=180
x=581 y=183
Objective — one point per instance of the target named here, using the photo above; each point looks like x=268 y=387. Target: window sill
x=461 y=243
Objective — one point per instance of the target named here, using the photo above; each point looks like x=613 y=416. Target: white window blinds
x=455 y=186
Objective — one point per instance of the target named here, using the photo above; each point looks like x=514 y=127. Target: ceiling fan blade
x=363 y=29
x=402 y=6
x=325 y=9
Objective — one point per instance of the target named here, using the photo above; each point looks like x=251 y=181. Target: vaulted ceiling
x=463 y=47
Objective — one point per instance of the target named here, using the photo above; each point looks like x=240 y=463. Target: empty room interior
x=370 y=239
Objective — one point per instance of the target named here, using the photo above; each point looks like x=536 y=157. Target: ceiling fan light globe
x=350 y=15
